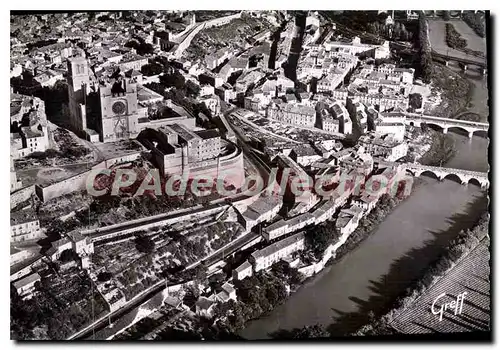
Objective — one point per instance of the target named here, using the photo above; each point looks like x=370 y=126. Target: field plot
x=437 y=36
x=471 y=275
x=474 y=41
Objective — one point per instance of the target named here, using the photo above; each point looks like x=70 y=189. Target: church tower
x=119 y=109
x=78 y=88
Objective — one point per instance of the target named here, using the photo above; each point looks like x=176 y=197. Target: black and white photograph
x=242 y=175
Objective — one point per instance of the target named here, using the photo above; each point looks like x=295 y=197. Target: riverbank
x=366 y=226
x=455 y=90
x=459 y=249
x=370 y=223
x=379 y=268
x=442 y=149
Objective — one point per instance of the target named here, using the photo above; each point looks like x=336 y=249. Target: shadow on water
x=402 y=273
x=405 y=270
x=482 y=134
x=458 y=131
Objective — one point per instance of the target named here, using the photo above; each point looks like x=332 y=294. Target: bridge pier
x=446 y=63
x=445 y=130
x=464 y=67
x=483 y=71
x=471 y=133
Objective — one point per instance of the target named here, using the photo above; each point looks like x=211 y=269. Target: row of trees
x=399 y=31
x=425 y=48
x=257 y=295
x=141 y=47
x=454 y=39
x=306 y=332
x=320 y=237
x=475 y=21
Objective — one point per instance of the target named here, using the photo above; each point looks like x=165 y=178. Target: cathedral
x=104 y=109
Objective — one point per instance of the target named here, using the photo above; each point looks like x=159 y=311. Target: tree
x=104 y=276
x=133 y=44
x=425 y=50
x=144 y=244
x=200 y=273
x=192 y=89
x=306 y=332
x=319 y=239
x=67 y=255
x=152 y=68
x=174 y=79
x=415 y=100
x=476 y=21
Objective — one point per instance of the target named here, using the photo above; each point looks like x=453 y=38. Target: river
x=382 y=266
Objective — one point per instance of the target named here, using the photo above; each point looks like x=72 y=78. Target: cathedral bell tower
x=78 y=86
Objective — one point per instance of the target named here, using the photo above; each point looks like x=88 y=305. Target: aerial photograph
x=191 y=175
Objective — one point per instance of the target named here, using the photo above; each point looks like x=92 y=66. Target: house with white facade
x=266 y=257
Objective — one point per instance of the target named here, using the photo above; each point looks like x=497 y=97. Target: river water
x=383 y=265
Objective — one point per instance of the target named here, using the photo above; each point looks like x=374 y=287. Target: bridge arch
x=455 y=13
x=475 y=181
x=434 y=126
x=463 y=130
x=411 y=172
x=428 y=173
x=455 y=177
x=481 y=133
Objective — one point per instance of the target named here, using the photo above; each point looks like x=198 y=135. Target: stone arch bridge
x=445 y=124
x=465 y=176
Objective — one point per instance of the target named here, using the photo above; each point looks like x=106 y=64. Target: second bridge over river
x=415 y=119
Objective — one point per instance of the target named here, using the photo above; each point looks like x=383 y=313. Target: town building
x=57 y=247
x=329 y=122
x=263 y=209
x=292 y=114
x=386 y=148
x=177 y=150
x=357 y=113
x=24 y=226
x=26 y=286
x=266 y=257
x=228 y=293
x=366 y=202
x=205 y=306
x=113 y=104
x=242 y=271
x=342 y=115
x=33 y=137
x=355 y=47
x=348 y=220
x=283 y=227
x=15 y=184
